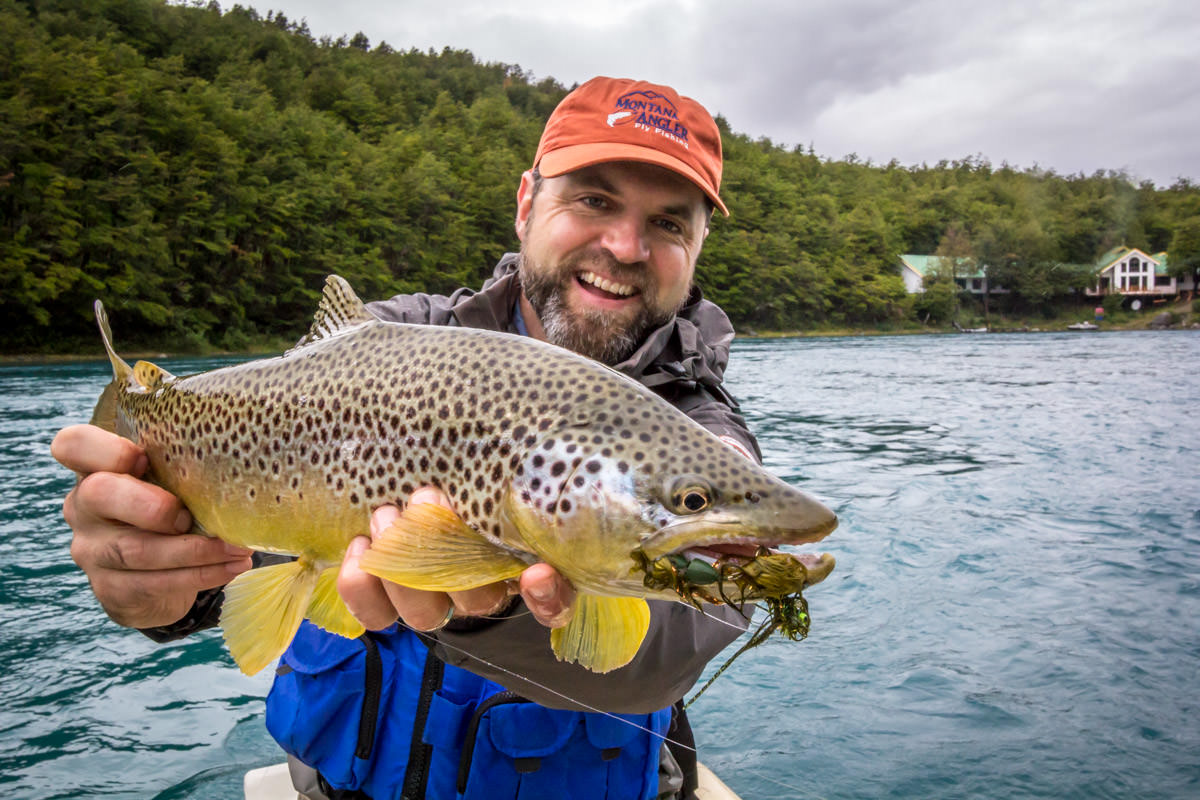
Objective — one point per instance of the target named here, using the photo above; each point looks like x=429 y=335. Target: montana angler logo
x=649 y=111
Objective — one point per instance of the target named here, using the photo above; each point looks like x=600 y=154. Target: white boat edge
x=275 y=783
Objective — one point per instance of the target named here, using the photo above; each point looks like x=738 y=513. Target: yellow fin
x=429 y=547
x=263 y=609
x=328 y=611
x=605 y=632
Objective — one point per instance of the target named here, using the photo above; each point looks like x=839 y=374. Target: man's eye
x=592 y=201
x=669 y=226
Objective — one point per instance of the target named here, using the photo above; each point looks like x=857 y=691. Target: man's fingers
x=481 y=602
x=548 y=595
x=428 y=494
x=364 y=594
x=123 y=549
x=158 y=598
x=422 y=610
x=111 y=496
x=86 y=448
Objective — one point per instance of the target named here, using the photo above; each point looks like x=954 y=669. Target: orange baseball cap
x=617 y=119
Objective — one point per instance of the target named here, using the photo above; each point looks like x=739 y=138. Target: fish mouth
x=816 y=566
x=704 y=538
x=731 y=537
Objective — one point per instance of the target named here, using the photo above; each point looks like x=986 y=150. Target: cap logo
x=649 y=111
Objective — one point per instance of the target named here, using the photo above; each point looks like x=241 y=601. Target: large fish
x=546 y=456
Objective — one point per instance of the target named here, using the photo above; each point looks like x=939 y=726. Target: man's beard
x=607 y=337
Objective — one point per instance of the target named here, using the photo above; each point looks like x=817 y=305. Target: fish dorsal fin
x=340 y=310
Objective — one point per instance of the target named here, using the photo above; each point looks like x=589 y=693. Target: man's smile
x=605 y=288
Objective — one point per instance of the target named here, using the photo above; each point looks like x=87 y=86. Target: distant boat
x=1083 y=326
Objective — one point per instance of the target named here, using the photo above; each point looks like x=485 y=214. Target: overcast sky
x=1070 y=85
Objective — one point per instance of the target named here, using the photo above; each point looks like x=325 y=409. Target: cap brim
x=573 y=157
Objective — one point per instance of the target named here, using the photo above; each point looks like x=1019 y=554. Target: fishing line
x=610 y=715
x=556 y=693
x=590 y=708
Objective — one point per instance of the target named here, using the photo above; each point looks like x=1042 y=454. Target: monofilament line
x=556 y=693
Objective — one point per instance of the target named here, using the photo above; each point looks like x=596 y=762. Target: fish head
x=600 y=516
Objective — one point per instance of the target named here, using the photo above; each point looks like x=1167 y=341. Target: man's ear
x=524 y=203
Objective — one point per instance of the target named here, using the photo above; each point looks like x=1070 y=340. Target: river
x=1014 y=612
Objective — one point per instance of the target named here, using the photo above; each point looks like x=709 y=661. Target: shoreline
x=1125 y=326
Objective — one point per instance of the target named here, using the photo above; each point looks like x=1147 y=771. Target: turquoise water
x=1014 y=612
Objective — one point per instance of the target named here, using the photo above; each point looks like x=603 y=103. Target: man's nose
x=626 y=239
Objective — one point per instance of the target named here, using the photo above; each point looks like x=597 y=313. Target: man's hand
x=131 y=538
x=377 y=603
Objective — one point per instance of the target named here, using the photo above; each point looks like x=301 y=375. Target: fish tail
x=121 y=370
x=263 y=609
x=105 y=413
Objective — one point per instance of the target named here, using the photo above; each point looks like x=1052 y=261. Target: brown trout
x=546 y=456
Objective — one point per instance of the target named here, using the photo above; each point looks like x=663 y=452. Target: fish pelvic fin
x=340 y=310
x=604 y=633
x=263 y=609
x=328 y=611
x=429 y=547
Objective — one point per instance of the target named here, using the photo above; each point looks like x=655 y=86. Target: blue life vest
x=383 y=715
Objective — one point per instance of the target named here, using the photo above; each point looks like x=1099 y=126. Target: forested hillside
x=203 y=169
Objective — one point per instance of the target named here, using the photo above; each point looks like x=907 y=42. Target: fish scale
x=545 y=456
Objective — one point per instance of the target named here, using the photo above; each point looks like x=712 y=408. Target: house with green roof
x=969 y=275
x=1131 y=272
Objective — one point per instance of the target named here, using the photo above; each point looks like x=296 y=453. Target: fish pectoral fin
x=328 y=611
x=605 y=632
x=262 y=611
x=429 y=547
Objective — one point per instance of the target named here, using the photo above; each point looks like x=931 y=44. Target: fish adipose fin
x=263 y=609
x=328 y=611
x=604 y=633
x=340 y=310
x=429 y=547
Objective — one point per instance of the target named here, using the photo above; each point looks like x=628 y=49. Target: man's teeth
x=604 y=284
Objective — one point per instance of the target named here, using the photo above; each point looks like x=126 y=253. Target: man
x=464 y=697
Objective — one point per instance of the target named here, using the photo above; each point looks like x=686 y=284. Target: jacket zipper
x=416 y=774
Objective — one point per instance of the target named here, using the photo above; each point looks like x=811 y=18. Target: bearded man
x=459 y=695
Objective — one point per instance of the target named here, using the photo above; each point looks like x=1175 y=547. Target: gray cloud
x=1068 y=85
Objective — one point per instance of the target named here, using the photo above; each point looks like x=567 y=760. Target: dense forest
x=203 y=169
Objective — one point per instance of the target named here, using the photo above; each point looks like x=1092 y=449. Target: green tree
x=1183 y=259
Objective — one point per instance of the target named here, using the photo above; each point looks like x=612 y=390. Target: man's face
x=608 y=253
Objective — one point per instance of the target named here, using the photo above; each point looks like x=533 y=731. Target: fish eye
x=689 y=494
